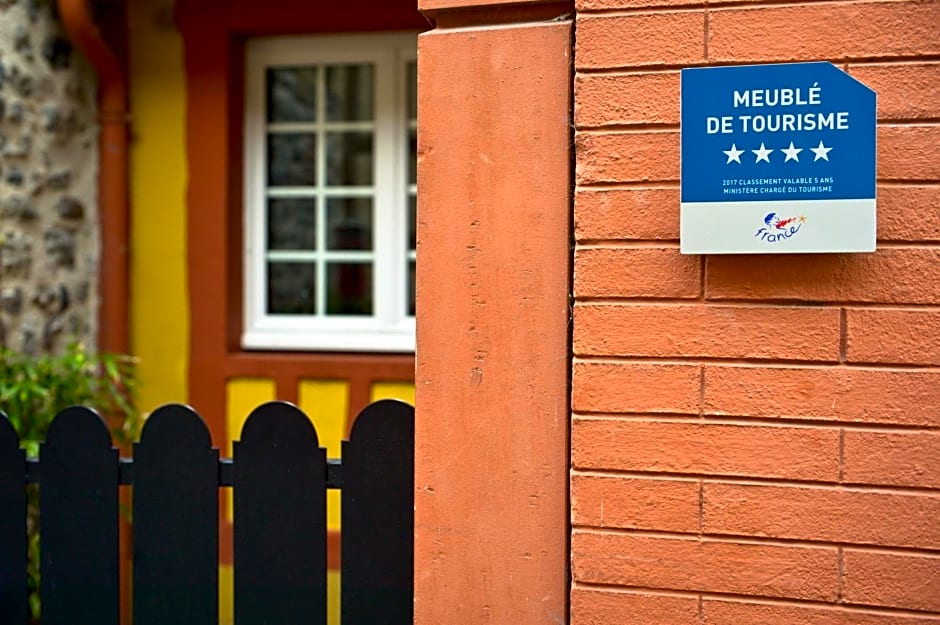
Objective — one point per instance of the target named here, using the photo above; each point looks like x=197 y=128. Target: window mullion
x=254 y=271
x=405 y=190
x=386 y=173
x=321 y=186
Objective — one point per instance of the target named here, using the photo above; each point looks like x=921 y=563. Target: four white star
x=821 y=152
x=763 y=153
x=792 y=153
x=734 y=154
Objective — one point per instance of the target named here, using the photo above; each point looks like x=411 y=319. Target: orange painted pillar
x=491 y=512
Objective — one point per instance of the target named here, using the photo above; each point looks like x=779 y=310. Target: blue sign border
x=788 y=131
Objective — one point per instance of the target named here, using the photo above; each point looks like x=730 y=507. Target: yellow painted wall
x=226 y=594
x=159 y=314
x=326 y=403
x=404 y=391
x=242 y=395
x=333 y=591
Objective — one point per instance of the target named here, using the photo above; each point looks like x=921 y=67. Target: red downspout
x=79 y=23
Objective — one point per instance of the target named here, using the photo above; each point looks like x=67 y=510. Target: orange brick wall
x=755 y=439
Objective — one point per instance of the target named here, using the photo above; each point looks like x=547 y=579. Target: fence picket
x=378 y=517
x=79 y=521
x=176 y=475
x=280 y=478
x=280 y=520
x=12 y=526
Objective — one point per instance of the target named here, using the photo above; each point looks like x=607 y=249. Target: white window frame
x=390 y=328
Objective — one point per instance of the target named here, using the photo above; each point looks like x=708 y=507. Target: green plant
x=34 y=389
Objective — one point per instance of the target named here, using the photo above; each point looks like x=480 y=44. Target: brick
x=893 y=336
x=620 y=99
x=832 y=31
x=908 y=213
x=635 y=503
x=614 y=157
x=691 y=564
x=891 y=275
x=635 y=213
x=728 y=612
x=636 y=272
x=825 y=394
x=710 y=449
x=892 y=458
x=906 y=91
x=696 y=330
x=639 y=39
x=594 y=606
x=910 y=581
x=823 y=514
x=908 y=152
x=635 y=388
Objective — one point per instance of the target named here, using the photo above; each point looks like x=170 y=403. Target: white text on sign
x=778 y=122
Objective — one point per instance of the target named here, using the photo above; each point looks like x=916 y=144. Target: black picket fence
x=279 y=474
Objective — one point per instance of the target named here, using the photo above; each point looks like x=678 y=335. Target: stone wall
x=48 y=191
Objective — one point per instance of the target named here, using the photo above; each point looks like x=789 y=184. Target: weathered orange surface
x=491 y=459
x=755 y=439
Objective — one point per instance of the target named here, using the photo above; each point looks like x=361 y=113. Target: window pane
x=412 y=222
x=292 y=94
x=348 y=158
x=349 y=289
x=292 y=288
x=292 y=160
x=411 y=288
x=349 y=223
x=411 y=76
x=349 y=93
x=412 y=156
x=292 y=224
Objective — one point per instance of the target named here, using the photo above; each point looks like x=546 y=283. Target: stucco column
x=491 y=518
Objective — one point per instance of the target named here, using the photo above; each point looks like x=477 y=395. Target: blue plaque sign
x=777 y=159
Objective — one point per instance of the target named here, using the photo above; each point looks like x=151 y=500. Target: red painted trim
x=391 y=367
x=289 y=17
x=208 y=53
x=333 y=550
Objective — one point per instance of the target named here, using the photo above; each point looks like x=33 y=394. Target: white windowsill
x=344 y=341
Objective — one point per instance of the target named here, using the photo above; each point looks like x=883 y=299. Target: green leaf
x=36 y=388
